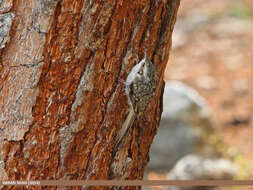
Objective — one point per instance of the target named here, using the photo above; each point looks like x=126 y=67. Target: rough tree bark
x=62 y=99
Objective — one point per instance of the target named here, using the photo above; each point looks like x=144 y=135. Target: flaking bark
x=62 y=99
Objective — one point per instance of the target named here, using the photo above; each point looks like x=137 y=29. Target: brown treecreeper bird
x=140 y=87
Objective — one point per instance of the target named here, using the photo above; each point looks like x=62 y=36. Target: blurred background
x=208 y=101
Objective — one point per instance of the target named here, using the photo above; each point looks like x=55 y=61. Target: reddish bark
x=62 y=100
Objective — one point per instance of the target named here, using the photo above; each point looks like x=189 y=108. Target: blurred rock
x=193 y=167
x=185 y=128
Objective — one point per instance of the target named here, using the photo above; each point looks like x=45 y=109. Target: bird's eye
x=140 y=72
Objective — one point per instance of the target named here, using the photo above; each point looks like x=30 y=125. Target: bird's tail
x=126 y=125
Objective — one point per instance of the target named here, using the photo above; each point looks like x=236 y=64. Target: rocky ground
x=213 y=53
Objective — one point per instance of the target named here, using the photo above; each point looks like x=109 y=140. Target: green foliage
x=241 y=11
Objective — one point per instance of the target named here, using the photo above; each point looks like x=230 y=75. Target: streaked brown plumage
x=141 y=84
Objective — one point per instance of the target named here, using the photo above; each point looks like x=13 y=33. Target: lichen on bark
x=5 y=26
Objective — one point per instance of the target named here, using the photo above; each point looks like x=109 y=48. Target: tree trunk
x=62 y=99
